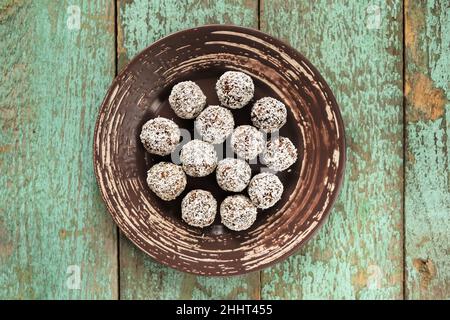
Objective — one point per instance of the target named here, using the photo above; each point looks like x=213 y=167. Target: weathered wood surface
x=53 y=78
x=427 y=206
x=358 y=253
x=141 y=23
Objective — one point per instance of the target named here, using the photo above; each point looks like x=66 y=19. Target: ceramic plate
x=140 y=92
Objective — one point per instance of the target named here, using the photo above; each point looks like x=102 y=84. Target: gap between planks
x=404 y=152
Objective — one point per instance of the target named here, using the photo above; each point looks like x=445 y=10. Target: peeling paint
x=53 y=81
x=428 y=102
x=427 y=178
x=427 y=271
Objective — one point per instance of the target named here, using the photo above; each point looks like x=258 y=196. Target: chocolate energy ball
x=265 y=189
x=215 y=124
x=187 y=99
x=233 y=174
x=160 y=136
x=166 y=180
x=237 y=212
x=199 y=208
x=235 y=89
x=247 y=142
x=198 y=158
x=280 y=154
x=268 y=114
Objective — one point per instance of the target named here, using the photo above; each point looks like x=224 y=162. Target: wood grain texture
x=358 y=253
x=427 y=205
x=53 y=78
x=140 y=24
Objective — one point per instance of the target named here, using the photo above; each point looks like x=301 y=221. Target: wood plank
x=427 y=194
x=358 y=253
x=52 y=220
x=140 y=24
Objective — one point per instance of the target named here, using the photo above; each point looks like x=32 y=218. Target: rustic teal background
x=388 y=65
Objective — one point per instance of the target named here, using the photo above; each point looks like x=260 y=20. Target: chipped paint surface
x=141 y=22
x=356 y=260
x=427 y=206
x=52 y=82
x=429 y=102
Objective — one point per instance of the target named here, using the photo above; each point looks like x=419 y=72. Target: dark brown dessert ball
x=160 y=136
x=247 y=142
x=187 y=99
x=237 y=212
x=280 y=154
x=268 y=114
x=215 y=124
x=235 y=89
x=233 y=174
x=166 y=180
x=198 y=158
x=199 y=208
x=265 y=189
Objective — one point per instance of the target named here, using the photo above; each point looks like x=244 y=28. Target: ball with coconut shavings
x=247 y=142
x=166 y=180
x=198 y=208
x=160 y=136
x=268 y=114
x=187 y=99
x=233 y=174
x=215 y=124
x=198 y=158
x=265 y=189
x=280 y=154
x=237 y=212
x=235 y=89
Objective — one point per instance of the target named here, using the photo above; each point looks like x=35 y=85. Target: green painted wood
x=427 y=193
x=53 y=78
x=140 y=23
x=358 y=252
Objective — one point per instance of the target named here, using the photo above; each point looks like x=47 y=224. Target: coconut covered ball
x=235 y=89
x=280 y=154
x=233 y=174
x=247 y=142
x=215 y=124
x=237 y=212
x=268 y=114
x=198 y=158
x=160 y=136
x=265 y=189
x=187 y=99
x=199 y=208
x=166 y=180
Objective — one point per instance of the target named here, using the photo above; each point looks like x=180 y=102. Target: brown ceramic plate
x=141 y=91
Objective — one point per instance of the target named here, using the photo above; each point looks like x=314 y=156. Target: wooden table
x=388 y=63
